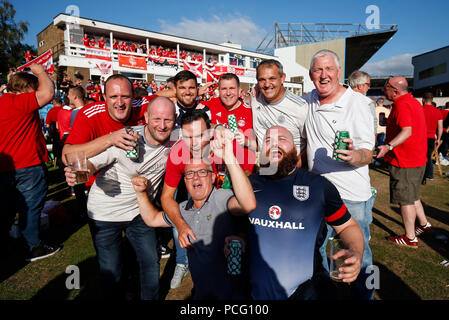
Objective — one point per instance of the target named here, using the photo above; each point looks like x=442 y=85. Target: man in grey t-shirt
x=208 y=214
x=112 y=204
x=273 y=105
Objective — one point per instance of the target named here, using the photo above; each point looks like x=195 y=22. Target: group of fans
x=153 y=50
x=264 y=173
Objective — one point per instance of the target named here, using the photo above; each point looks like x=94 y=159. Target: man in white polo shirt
x=332 y=108
x=276 y=106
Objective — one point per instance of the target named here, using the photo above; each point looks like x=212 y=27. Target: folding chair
x=436 y=157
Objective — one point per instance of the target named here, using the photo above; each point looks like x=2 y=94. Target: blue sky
x=423 y=25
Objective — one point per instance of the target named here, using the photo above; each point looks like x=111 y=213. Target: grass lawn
x=409 y=274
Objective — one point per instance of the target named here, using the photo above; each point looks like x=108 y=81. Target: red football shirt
x=101 y=43
x=444 y=114
x=28 y=57
x=176 y=163
x=432 y=115
x=22 y=142
x=244 y=116
x=52 y=115
x=407 y=112
x=64 y=117
x=94 y=121
x=86 y=41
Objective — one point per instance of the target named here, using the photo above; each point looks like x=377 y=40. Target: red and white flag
x=98 y=53
x=105 y=67
x=45 y=59
x=196 y=68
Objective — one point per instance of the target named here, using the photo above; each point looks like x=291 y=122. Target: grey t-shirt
x=290 y=112
x=212 y=223
x=112 y=196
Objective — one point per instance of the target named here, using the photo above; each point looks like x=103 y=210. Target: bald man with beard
x=288 y=226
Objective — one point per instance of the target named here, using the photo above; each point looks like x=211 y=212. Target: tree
x=11 y=34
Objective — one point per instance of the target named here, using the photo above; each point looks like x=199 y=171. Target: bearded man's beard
x=284 y=167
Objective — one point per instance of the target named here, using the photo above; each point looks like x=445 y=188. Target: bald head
x=279 y=137
x=160 y=117
x=279 y=131
x=161 y=103
x=400 y=83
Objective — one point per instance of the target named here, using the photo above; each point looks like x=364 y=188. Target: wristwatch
x=390 y=147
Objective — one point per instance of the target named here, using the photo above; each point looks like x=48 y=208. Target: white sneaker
x=444 y=162
x=181 y=271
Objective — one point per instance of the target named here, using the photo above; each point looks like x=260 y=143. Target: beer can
x=232 y=123
x=339 y=144
x=227 y=184
x=235 y=258
x=134 y=153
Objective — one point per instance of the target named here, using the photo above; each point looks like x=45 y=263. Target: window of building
x=236 y=60
x=432 y=72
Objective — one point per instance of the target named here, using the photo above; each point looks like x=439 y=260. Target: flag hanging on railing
x=98 y=53
x=196 y=68
x=131 y=61
x=45 y=59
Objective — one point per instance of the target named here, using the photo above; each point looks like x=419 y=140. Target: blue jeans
x=24 y=190
x=380 y=142
x=107 y=238
x=361 y=211
x=181 y=253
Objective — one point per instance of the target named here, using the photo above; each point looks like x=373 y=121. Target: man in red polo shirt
x=405 y=150
x=434 y=124
x=23 y=154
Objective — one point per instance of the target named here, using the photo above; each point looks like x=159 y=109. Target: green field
x=405 y=274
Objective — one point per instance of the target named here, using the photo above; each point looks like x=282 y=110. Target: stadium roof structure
x=362 y=41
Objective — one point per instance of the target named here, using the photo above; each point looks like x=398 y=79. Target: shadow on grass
x=89 y=285
x=435 y=213
x=164 y=281
x=386 y=216
x=437 y=238
x=392 y=287
x=60 y=230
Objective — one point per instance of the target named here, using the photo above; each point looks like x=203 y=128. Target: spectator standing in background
x=442 y=150
x=434 y=124
x=360 y=82
x=405 y=151
x=382 y=114
x=23 y=155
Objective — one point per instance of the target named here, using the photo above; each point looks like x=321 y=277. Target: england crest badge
x=301 y=192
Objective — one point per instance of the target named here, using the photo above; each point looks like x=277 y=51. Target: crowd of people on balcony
x=153 y=50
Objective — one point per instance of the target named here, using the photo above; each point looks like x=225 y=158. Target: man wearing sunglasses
x=405 y=150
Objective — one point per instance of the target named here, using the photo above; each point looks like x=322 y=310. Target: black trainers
x=42 y=251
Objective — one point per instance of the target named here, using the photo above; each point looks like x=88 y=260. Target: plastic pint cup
x=78 y=164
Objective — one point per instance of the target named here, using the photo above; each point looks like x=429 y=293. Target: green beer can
x=134 y=153
x=339 y=144
x=232 y=123
x=235 y=258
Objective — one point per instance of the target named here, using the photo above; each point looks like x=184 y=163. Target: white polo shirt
x=289 y=112
x=350 y=113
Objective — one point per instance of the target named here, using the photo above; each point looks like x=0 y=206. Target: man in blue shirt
x=288 y=226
